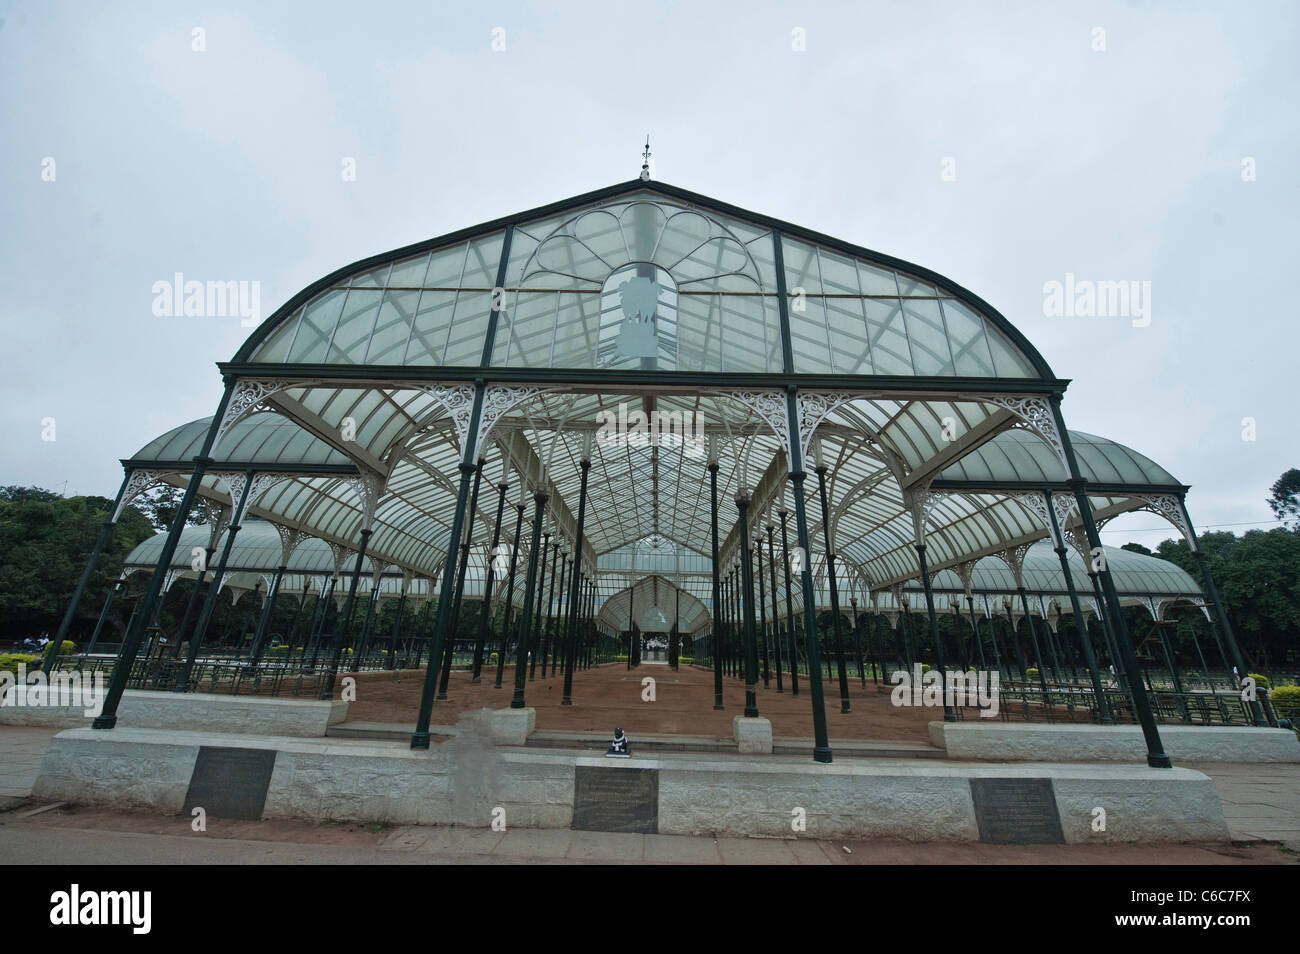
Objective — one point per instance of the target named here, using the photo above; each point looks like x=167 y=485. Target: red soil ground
x=610 y=695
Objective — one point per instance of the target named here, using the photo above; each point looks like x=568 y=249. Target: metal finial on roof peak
x=645 y=160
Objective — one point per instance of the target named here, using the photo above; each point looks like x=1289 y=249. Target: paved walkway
x=1261 y=803
x=21 y=751
x=84 y=837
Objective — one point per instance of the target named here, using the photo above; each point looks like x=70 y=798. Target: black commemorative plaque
x=230 y=783
x=1016 y=811
x=616 y=799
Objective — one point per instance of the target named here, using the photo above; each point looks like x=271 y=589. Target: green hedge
x=1261 y=682
x=685 y=660
x=1031 y=673
x=10 y=661
x=1286 y=702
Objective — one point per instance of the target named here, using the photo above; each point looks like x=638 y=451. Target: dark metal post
x=540 y=496
x=468 y=541
x=789 y=605
x=571 y=649
x=486 y=612
x=510 y=591
x=835 y=596
x=776 y=624
x=718 y=624
x=948 y=715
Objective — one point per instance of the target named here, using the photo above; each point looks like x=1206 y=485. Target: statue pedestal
x=752 y=734
x=513 y=726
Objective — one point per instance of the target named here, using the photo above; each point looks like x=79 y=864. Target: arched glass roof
x=354 y=402
x=851 y=311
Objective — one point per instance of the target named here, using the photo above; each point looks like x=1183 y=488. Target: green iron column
x=114 y=588
x=821 y=740
x=717 y=583
x=107 y=718
x=101 y=541
x=397 y=629
x=835 y=596
x=268 y=609
x=578 y=543
x=975 y=631
x=486 y=612
x=762 y=622
x=541 y=594
x=948 y=714
x=540 y=497
x=556 y=641
x=857 y=641
x=343 y=628
x=454 y=629
x=747 y=607
x=789 y=603
x=210 y=601
x=510 y=589
x=776 y=624
x=1156 y=756
x=420 y=738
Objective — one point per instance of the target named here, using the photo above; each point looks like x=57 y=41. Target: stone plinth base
x=753 y=735
x=513 y=726
x=464 y=782
x=200 y=711
x=1019 y=742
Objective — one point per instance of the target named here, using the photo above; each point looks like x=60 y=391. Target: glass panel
x=445 y=267
x=375 y=278
x=409 y=273
x=889 y=350
x=970 y=349
x=276 y=347
x=388 y=343
x=575 y=341
x=851 y=352
x=530 y=329
x=744 y=347
x=907 y=285
x=1007 y=359
x=429 y=333
x=876 y=281
x=808 y=336
x=355 y=327
x=928 y=339
x=468 y=328
x=316 y=328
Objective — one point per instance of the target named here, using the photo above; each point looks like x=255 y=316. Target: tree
x=159 y=505
x=1284 y=499
x=1137 y=548
x=45 y=541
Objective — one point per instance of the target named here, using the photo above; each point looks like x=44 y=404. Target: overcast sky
x=1112 y=142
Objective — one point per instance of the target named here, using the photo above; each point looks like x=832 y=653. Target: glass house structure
x=676 y=397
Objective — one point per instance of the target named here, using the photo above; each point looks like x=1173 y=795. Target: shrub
x=1031 y=673
x=1286 y=702
x=278 y=650
x=10 y=661
x=1261 y=682
x=685 y=660
x=66 y=647
x=925 y=667
x=493 y=658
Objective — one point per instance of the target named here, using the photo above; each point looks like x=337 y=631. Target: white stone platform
x=464 y=779
x=199 y=711
x=1013 y=742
